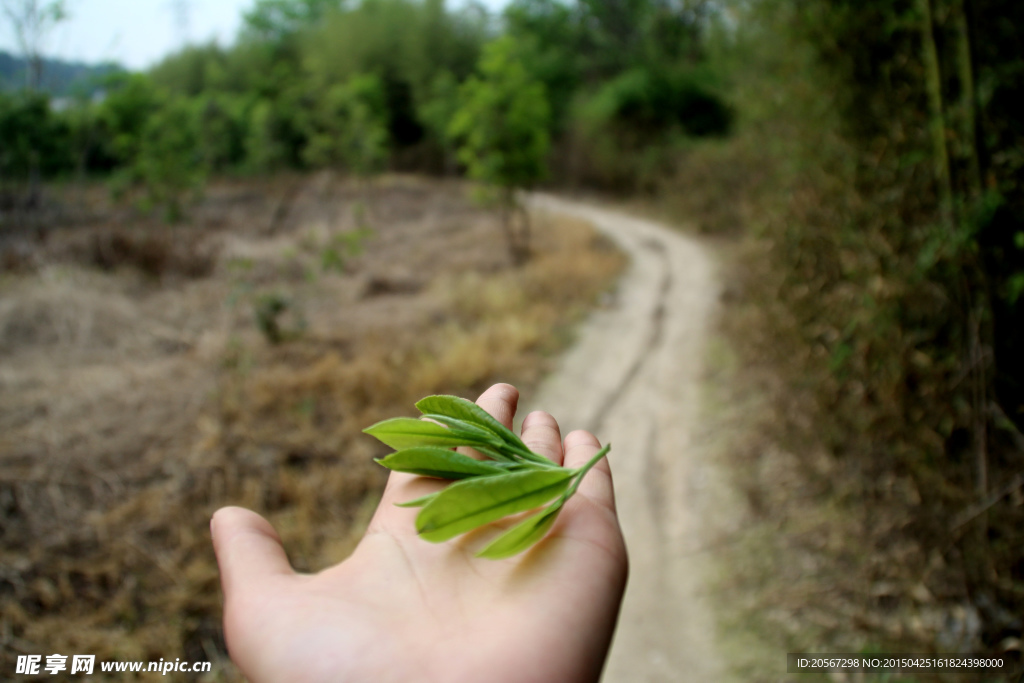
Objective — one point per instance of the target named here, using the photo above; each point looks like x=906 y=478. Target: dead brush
x=181 y=252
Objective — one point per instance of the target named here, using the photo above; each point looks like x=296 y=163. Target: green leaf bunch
x=501 y=124
x=511 y=479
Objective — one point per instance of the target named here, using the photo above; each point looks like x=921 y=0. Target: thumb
x=248 y=549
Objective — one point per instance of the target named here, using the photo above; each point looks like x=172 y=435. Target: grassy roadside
x=808 y=562
x=823 y=551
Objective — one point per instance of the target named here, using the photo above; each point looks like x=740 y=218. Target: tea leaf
x=481 y=434
x=454 y=406
x=418 y=502
x=524 y=534
x=407 y=432
x=515 y=480
x=495 y=448
x=470 y=503
x=432 y=461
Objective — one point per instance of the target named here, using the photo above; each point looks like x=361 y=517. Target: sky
x=138 y=33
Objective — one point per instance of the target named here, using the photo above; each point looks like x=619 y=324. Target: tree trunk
x=517 y=230
x=936 y=113
x=526 y=236
x=508 y=219
x=34 y=198
x=968 y=101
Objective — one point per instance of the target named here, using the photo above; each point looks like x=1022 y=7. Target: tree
x=220 y=126
x=129 y=102
x=502 y=126
x=33 y=139
x=168 y=158
x=404 y=43
x=264 y=150
x=437 y=110
x=350 y=127
x=32 y=21
x=277 y=19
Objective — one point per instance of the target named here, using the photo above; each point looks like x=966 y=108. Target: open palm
x=403 y=609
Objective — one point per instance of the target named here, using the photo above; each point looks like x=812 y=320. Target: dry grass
x=134 y=403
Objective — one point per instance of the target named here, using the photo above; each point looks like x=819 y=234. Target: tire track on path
x=633 y=378
x=657 y=333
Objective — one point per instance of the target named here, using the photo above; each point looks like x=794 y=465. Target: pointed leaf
x=408 y=432
x=484 y=435
x=467 y=410
x=495 y=454
x=507 y=451
x=433 y=461
x=470 y=503
x=418 y=502
x=524 y=534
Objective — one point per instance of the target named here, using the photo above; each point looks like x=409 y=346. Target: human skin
x=402 y=609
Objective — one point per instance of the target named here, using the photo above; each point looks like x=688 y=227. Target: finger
x=541 y=435
x=580 y=447
x=501 y=401
x=248 y=549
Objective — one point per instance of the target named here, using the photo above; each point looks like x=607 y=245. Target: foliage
x=513 y=480
x=889 y=227
x=502 y=121
x=627 y=82
x=403 y=43
x=349 y=127
x=264 y=146
x=167 y=162
x=655 y=102
x=221 y=123
x=31 y=134
x=343 y=247
x=634 y=125
x=548 y=32
x=437 y=109
x=131 y=99
x=279 y=19
x=194 y=70
x=501 y=124
x=312 y=83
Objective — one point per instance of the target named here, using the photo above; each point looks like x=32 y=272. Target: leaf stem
x=526 y=454
x=536 y=458
x=582 y=471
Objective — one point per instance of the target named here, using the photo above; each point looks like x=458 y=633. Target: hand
x=402 y=609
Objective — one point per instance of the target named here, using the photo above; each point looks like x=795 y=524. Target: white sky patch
x=138 y=33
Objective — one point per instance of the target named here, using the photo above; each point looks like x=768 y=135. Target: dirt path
x=633 y=378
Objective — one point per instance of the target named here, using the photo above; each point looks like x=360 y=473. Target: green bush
x=33 y=137
x=349 y=127
x=502 y=129
x=169 y=163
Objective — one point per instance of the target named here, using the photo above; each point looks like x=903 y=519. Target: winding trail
x=633 y=378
